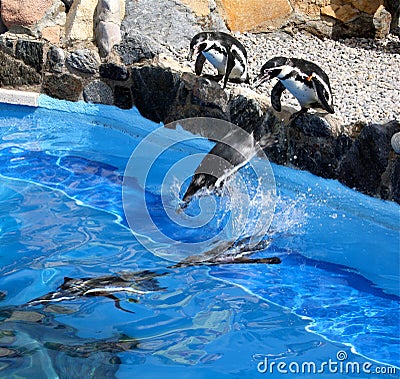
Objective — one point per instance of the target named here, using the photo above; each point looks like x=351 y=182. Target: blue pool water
x=62 y=167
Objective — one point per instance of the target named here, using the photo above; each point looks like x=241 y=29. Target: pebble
x=364 y=74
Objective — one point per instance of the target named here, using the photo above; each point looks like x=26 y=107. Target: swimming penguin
x=307 y=82
x=230 y=154
x=138 y=283
x=224 y=52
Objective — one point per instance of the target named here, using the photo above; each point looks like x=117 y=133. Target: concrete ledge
x=29 y=99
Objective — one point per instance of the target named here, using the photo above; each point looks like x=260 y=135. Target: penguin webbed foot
x=296 y=115
x=215 y=78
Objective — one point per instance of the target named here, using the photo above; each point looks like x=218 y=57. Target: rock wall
x=105 y=51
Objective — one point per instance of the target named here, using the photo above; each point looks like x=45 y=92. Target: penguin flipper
x=198 y=67
x=276 y=94
x=230 y=63
x=321 y=92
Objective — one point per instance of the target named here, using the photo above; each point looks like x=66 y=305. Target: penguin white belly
x=305 y=95
x=217 y=59
x=237 y=72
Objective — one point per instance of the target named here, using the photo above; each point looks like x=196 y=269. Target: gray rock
x=154 y=90
x=83 y=61
x=163 y=95
x=168 y=22
x=395 y=180
x=109 y=11
x=395 y=142
x=98 y=92
x=55 y=59
x=312 y=125
x=30 y=52
x=108 y=35
x=114 y=71
x=16 y=73
x=135 y=47
x=123 y=97
x=311 y=146
x=64 y=87
x=198 y=97
x=246 y=113
x=7 y=45
x=368 y=158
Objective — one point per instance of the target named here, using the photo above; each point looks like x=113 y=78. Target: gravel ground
x=364 y=74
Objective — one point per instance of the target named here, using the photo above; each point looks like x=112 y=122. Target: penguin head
x=198 y=44
x=270 y=70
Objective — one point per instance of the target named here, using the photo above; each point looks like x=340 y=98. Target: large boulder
x=16 y=73
x=163 y=95
x=364 y=166
x=25 y=13
x=63 y=87
x=80 y=21
x=254 y=15
x=169 y=22
x=135 y=47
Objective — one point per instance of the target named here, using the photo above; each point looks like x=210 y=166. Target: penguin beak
x=260 y=79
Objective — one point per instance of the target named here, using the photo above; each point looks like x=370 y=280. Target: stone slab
x=29 y=99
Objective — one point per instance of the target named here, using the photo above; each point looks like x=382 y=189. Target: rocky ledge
x=131 y=67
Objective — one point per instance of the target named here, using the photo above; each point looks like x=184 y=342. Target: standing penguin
x=307 y=82
x=224 y=52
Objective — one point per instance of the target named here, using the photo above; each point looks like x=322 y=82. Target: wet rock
x=154 y=91
x=309 y=142
x=368 y=158
x=135 y=47
x=312 y=125
x=31 y=53
x=395 y=180
x=64 y=87
x=15 y=73
x=83 y=61
x=123 y=97
x=198 y=97
x=114 y=71
x=55 y=59
x=246 y=113
x=98 y=92
x=311 y=145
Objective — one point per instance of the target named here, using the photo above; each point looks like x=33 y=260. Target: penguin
x=224 y=52
x=138 y=283
x=307 y=82
x=228 y=155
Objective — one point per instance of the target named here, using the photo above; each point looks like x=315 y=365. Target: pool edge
x=9 y=96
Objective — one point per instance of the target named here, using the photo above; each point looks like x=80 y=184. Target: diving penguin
x=307 y=82
x=224 y=52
